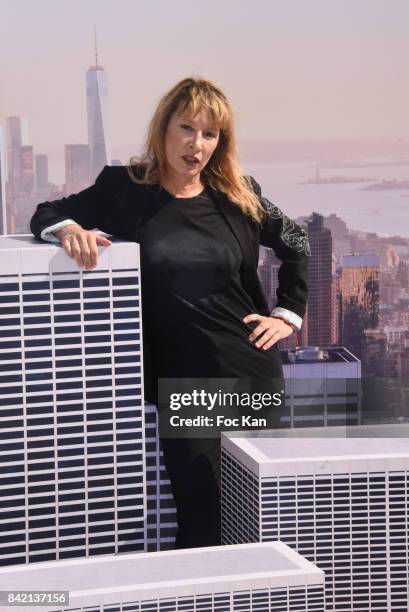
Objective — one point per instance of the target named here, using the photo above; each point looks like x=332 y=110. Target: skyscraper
x=98 y=117
x=403 y=273
x=41 y=168
x=71 y=421
x=359 y=299
x=323 y=387
x=161 y=515
x=260 y=577
x=375 y=346
x=334 y=302
x=26 y=182
x=16 y=137
x=340 y=502
x=3 y=207
x=320 y=309
x=23 y=198
x=77 y=168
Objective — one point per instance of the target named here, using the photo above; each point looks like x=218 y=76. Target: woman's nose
x=196 y=142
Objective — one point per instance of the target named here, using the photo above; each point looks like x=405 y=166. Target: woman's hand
x=81 y=245
x=268 y=331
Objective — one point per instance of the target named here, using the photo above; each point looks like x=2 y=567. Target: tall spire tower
x=96 y=50
x=98 y=115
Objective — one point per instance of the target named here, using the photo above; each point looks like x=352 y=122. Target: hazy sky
x=292 y=68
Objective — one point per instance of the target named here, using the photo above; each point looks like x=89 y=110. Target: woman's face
x=189 y=144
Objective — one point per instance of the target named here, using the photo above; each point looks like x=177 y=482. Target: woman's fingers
x=70 y=247
x=76 y=249
x=90 y=250
x=268 y=331
x=263 y=325
x=102 y=241
x=270 y=337
x=252 y=317
x=82 y=245
x=272 y=341
x=67 y=247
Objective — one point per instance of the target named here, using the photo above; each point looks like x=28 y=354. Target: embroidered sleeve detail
x=291 y=234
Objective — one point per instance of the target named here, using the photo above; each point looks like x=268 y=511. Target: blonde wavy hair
x=223 y=171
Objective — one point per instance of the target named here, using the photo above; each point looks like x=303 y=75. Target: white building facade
x=71 y=421
x=263 y=577
x=161 y=510
x=340 y=502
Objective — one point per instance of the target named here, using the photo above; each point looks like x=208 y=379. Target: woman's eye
x=186 y=127
x=210 y=135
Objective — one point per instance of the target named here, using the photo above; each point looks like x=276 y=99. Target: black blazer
x=115 y=204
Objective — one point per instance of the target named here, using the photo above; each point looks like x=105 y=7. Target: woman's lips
x=190 y=161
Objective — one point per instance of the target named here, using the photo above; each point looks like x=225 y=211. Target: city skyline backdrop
x=291 y=70
x=304 y=123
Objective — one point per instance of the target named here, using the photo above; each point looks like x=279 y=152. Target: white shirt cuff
x=287 y=315
x=48 y=236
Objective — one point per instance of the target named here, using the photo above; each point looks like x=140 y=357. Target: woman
x=199 y=223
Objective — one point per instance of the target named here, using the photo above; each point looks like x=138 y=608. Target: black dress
x=193 y=306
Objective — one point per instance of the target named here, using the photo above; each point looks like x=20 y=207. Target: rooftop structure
x=221 y=578
x=338 y=501
x=359 y=261
x=71 y=396
x=323 y=387
x=317 y=355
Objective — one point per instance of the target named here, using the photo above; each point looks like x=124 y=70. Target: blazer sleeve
x=85 y=208
x=290 y=243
